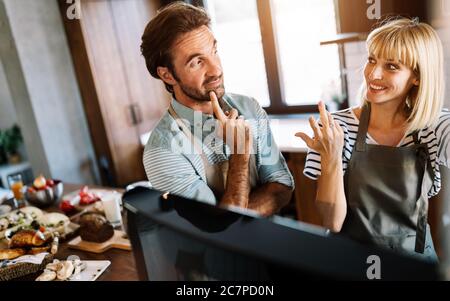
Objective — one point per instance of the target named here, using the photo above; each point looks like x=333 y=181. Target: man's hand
x=233 y=129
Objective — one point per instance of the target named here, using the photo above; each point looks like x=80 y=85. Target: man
x=191 y=153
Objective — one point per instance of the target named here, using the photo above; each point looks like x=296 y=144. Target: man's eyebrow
x=197 y=54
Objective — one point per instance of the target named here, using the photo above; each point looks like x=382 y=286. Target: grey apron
x=387 y=194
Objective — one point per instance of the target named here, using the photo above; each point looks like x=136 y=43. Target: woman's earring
x=408 y=104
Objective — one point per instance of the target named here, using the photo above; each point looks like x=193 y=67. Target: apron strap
x=422 y=219
x=416 y=137
x=363 y=128
x=186 y=131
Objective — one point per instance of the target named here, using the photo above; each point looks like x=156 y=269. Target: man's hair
x=161 y=32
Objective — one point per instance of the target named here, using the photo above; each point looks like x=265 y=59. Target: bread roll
x=95 y=228
x=11 y=253
x=27 y=238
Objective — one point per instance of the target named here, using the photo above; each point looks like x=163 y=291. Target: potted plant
x=10 y=141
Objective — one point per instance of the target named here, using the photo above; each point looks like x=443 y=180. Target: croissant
x=27 y=238
x=11 y=253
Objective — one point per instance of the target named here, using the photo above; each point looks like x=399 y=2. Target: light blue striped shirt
x=172 y=165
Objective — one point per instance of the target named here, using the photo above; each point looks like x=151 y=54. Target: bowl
x=45 y=197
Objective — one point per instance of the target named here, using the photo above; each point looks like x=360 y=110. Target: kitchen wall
x=39 y=74
x=440 y=19
x=7 y=111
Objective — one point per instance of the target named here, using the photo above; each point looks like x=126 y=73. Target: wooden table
x=122 y=266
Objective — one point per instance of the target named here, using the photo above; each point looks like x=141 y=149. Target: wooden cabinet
x=122 y=101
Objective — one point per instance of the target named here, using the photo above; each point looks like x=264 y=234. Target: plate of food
x=33 y=218
x=84 y=198
x=73 y=269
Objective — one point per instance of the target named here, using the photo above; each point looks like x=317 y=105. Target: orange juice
x=17 y=189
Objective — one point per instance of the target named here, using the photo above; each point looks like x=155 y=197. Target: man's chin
x=220 y=91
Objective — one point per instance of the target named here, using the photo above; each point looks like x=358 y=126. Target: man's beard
x=198 y=95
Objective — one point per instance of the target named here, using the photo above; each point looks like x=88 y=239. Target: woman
x=377 y=165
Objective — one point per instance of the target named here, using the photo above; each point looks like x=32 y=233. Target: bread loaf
x=95 y=227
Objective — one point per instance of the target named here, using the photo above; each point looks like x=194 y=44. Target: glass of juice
x=16 y=185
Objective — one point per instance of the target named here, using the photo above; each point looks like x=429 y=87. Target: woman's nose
x=376 y=73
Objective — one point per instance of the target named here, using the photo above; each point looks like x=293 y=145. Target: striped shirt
x=173 y=165
x=437 y=140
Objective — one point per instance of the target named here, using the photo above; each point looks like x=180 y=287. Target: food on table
x=66 y=206
x=44 y=192
x=19 y=219
x=32 y=218
x=87 y=197
x=54 y=222
x=65 y=271
x=29 y=242
x=47 y=275
x=40 y=182
x=27 y=238
x=62 y=270
x=37 y=250
x=95 y=227
x=83 y=198
x=30 y=231
x=11 y=253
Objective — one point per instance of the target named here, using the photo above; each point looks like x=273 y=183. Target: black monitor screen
x=180 y=239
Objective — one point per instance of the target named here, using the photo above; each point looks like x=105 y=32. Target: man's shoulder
x=162 y=133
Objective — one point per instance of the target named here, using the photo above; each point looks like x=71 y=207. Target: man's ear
x=166 y=75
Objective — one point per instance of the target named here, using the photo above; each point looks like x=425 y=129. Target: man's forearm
x=237 y=190
x=269 y=198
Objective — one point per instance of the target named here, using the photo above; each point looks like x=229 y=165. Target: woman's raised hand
x=328 y=140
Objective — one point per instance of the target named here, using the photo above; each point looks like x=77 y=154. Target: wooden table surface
x=122 y=266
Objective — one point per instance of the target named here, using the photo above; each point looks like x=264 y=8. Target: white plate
x=74 y=198
x=94 y=268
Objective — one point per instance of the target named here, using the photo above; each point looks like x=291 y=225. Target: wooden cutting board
x=118 y=241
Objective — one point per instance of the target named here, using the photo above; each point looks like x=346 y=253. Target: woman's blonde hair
x=416 y=45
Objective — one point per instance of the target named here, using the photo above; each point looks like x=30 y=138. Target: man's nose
x=214 y=68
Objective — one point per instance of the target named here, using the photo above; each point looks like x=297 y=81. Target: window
x=271 y=50
x=240 y=46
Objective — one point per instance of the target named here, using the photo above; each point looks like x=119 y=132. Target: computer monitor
x=174 y=238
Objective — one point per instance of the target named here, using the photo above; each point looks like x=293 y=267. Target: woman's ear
x=416 y=82
x=166 y=75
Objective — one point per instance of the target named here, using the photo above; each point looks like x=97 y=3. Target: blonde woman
x=377 y=165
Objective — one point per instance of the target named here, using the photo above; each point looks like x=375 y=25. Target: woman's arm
x=328 y=141
x=330 y=198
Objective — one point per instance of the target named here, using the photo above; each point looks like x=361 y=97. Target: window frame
x=278 y=105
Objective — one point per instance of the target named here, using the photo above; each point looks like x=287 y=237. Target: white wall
x=440 y=19
x=42 y=82
x=355 y=58
x=7 y=111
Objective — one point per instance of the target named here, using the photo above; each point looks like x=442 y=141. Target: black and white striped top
x=437 y=139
